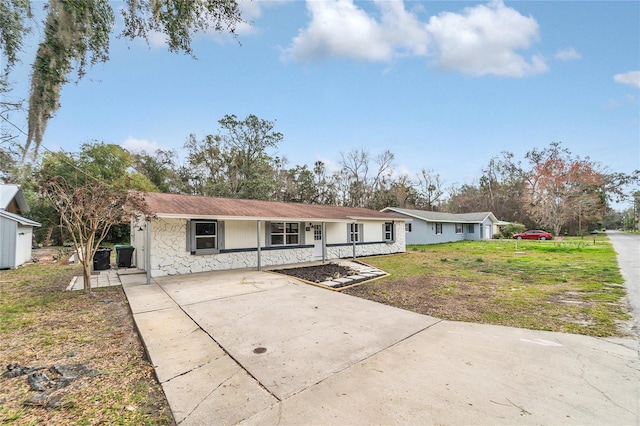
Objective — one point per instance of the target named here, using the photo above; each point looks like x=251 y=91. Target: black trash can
x=102 y=259
x=124 y=254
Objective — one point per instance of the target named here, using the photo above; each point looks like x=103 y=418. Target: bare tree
x=430 y=189
x=359 y=185
x=87 y=211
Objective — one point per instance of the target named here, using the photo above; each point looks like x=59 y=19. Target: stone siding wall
x=169 y=255
x=343 y=252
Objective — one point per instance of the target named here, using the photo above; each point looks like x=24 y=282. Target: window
x=458 y=228
x=471 y=228
x=355 y=232
x=388 y=231
x=284 y=233
x=204 y=236
x=438 y=228
x=407 y=227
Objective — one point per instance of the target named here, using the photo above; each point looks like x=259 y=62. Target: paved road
x=628 y=248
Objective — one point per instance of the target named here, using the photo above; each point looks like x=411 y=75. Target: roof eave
x=269 y=219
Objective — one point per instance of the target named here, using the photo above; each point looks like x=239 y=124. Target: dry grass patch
x=41 y=324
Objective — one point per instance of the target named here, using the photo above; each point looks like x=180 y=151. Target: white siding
x=169 y=255
x=242 y=234
x=23 y=244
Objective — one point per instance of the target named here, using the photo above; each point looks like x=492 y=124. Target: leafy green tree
x=512 y=228
x=76 y=35
x=160 y=168
x=13 y=28
x=87 y=194
x=236 y=162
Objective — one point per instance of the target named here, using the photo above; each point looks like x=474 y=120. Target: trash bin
x=124 y=254
x=102 y=259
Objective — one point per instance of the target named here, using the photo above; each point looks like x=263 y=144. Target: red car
x=535 y=234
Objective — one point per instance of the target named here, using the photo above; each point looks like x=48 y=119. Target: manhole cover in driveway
x=259 y=350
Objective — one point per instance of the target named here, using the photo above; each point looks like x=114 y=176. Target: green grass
x=572 y=285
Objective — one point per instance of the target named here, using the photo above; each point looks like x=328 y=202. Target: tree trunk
x=87 y=264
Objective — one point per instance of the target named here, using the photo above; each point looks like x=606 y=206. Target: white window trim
x=193 y=237
x=284 y=234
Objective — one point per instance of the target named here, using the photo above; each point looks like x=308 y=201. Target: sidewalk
x=107 y=278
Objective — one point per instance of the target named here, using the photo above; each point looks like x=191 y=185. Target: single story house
x=190 y=234
x=16 y=232
x=427 y=227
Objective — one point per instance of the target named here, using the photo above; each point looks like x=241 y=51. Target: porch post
x=259 y=253
x=324 y=242
x=148 y=251
x=354 y=227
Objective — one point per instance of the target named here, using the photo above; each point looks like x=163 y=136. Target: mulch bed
x=320 y=273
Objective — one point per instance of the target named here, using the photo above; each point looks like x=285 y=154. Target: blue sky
x=444 y=86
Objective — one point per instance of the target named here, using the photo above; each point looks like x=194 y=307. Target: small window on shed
x=458 y=228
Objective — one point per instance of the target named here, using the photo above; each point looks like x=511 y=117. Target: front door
x=317 y=241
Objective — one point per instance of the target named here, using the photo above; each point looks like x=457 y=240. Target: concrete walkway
x=258 y=348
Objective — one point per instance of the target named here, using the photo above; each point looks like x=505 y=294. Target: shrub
x=513 y=228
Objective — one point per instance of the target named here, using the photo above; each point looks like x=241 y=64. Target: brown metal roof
x=175 y=205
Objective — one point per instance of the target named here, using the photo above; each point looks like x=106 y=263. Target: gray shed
x=16 y=232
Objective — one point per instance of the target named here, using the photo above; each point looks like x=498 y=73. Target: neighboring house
x=16 y=232
x=193 y=234
x=427 y=227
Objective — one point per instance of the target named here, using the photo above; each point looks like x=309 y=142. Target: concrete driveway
x=258 y=348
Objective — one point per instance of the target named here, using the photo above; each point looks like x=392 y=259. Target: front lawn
x=42 y=324
x=571 y=286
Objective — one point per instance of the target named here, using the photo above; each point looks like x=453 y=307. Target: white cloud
x=136 y=146
x=479 y=41
x=568 y=54
x=484 y=39
x=341 y=29
x=631 y=78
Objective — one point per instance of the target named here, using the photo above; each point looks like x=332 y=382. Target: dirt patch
x=52 y=254
x=429 y=297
